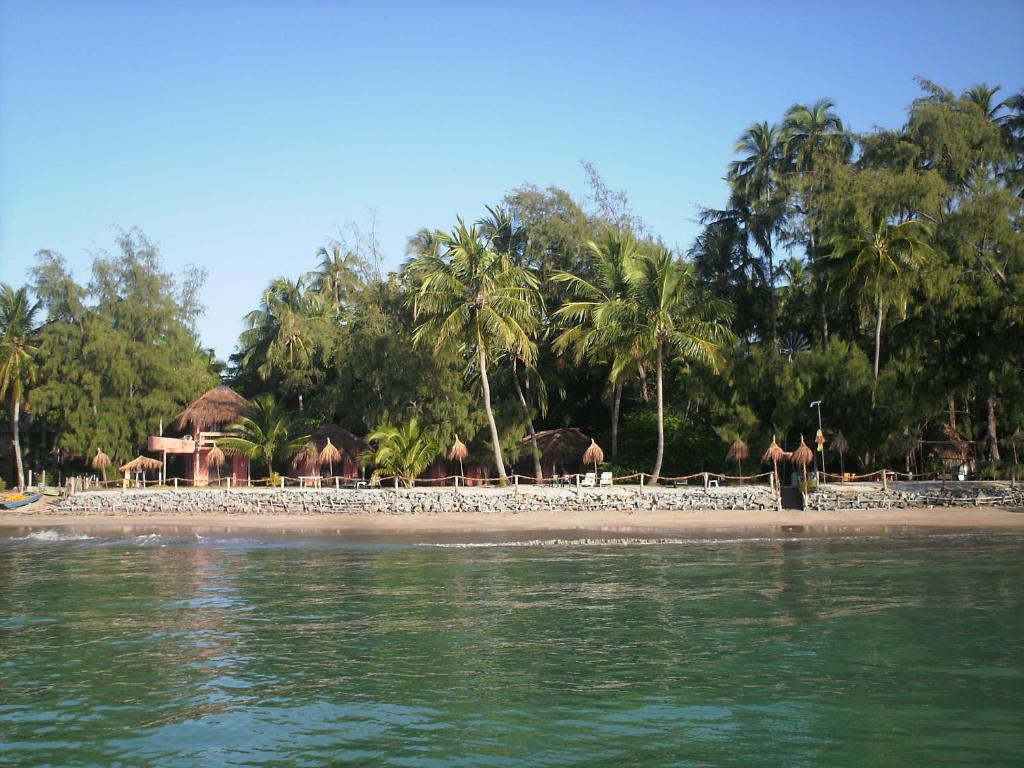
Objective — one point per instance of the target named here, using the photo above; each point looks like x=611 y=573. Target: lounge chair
x=588 y=480
x=606 y=478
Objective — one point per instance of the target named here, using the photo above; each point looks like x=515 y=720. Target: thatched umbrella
x=803 y=456
x=460 y=452
x=774 y=454
x=101 y=461
x=593 y=455
x=840 y=446
x=140 y=464
x=329 y=455
x=738 y=451
x=216 y=459
x=308 y=456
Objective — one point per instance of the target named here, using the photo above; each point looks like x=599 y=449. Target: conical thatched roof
x=100 y=460
x=141 y=464
x=839 y=444
x=216 y=457
x=563 y=446
x=593 y=454
x=738 y=451
x=459 y=451
x=803 y=455
x=329 y=454
x=774 y=452
x=219 y=406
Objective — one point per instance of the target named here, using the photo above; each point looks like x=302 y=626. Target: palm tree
x=983 y=96
x=473 y=298
x=585 y=319
x=402 y=452
x=264 y=432
x=665 y=315
x=874 y=260
x=282 y=331
x=337 y=276
x=757 y=200
x=17 y=365
x=510 y=239
x=812 y=136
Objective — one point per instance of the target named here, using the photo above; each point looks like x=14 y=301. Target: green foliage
x=119 y=356
x=266 y=432
x=402 y=452
x=882 y=273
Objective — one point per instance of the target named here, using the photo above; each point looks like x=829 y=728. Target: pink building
x=196 y=431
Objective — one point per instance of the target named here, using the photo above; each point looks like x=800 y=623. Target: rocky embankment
x=415 y=501
x=915 y=495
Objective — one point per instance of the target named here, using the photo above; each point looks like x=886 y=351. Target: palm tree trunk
x=16 y=442
x=499 y=463
x=661 y=418
x=993 y=440
x=774 y=299
x=537 y=470
x=952 y=412
x=878 y=348
x=616 y=405
x=821 y=293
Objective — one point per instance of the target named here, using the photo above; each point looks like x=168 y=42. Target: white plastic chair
x=606 y=478
x=588 y=480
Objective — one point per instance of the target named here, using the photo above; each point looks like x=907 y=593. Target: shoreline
x=631 y=522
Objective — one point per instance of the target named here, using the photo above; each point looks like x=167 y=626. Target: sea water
x=148 y=649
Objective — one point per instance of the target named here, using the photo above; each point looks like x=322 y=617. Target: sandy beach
x=641 y=522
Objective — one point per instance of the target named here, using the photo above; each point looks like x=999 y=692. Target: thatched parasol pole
x=738 y=451
x=593 y=455
x=773 y=454
x=460 y=452
x=840 y=446
x=803 y=456
x=101 y=461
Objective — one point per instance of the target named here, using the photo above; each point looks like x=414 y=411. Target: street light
x=821 y=437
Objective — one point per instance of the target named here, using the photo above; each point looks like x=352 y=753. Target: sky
x=243 y=136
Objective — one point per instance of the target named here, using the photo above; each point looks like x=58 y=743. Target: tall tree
x=475 y=299
x=666 y=315
x=588 y=319
x=813 y=137
x=18 y=333
x=281 y=336
x=757 y=203
x=874 y=261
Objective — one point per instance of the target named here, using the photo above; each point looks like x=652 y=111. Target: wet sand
x=634 y=522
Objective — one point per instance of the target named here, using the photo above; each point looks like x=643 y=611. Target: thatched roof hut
x=141 y=464
x=217 y=407
x=310 y=458
x=340 y=437
x=560 y=447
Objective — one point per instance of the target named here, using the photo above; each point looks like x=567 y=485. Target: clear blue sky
x=244 y=135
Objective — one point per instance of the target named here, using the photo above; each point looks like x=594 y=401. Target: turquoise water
x=189 y=651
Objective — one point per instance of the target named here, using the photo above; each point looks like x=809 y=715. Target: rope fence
x=576 y=480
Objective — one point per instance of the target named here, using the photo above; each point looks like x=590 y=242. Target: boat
x=20 y=500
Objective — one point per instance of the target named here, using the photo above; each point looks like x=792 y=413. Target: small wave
x=50 y=535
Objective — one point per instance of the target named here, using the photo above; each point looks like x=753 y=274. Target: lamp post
x=820 y=439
